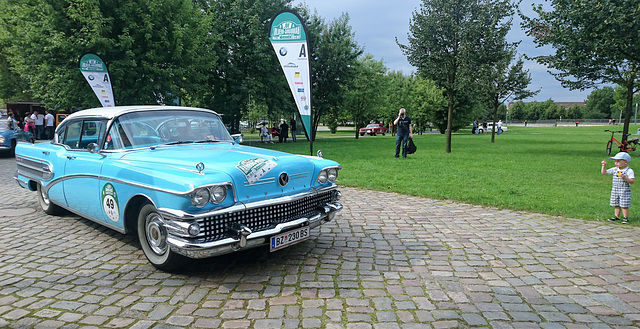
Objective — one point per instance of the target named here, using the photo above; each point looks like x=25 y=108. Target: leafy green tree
x=574 y=112
x=247 y=70
x=334 y=54
x=595 y=42
x=449 y=40
x=154 y=49
x=517 y=111
x=505 y=81
x=599 y=104
x=362 y=95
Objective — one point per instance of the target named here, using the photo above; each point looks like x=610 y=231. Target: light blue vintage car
x=176 y=178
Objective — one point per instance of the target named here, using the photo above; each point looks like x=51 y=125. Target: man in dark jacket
x=405 y=131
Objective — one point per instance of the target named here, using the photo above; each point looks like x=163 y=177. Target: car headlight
x=332 y=174
x=218 y=194
x=322 y=177
x=200 y=197
x=2 y=139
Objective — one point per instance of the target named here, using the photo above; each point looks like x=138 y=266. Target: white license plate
x=289 y=238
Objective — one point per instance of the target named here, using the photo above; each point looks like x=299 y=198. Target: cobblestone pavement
x=387 y=261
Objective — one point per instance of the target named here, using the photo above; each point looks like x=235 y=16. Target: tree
x=333 y=54
x=506 y=82
x=153 y=48
x=595 y=42
x=599 y=104
x=248 y=71
x=362 y=95
x=449 y=40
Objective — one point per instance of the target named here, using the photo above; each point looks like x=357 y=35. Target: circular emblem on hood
x=283 y=179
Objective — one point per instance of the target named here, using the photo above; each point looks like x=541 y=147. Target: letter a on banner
x=95 y=71
x=288 y=36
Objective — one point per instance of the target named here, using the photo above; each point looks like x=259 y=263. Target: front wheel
x=608 y=150
x=153 y=238
x=47 y=206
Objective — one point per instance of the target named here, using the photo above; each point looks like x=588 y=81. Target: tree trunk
x=628 y=109
x=449 y=120
x=495 y=117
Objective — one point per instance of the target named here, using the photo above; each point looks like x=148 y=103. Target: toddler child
x=621 y=190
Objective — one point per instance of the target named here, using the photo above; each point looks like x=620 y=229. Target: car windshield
x=372 y=126
x=4 y=124
x=151 y=128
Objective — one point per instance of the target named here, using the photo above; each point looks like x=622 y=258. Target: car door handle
x=70 y=157
x=45 y=152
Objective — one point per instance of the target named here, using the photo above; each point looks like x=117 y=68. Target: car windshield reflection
x=149 y=128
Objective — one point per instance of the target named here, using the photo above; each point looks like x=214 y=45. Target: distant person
x=284 y=132
x=391 y=127
x=39 y=125
x=499 y=127
x=29 y=123
x=13 y=123
x=484 y=127
x=474 y=130
x=49 y=124
x=405 y=131
x=525 y=123
x=292 y=126
x=623 y=177
x=264 y=133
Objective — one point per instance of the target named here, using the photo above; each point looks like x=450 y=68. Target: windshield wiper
x=180 y=142
x=206 y=141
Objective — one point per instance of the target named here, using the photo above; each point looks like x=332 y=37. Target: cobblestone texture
x=387 y=261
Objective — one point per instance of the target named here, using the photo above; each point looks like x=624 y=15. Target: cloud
x=377 y=24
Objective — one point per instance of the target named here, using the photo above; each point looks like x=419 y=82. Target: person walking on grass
x=405 y=131
x=621 y=190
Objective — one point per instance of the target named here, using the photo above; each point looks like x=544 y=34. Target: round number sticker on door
x=110 y=202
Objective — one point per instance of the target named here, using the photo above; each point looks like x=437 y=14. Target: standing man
x=293 y=128
x=405 y=131
x=284 y=132
x=39 y=125
x=48 y=124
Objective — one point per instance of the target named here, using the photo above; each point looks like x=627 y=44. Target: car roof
x=114 y=111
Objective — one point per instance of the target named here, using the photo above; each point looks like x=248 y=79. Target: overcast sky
x=377 y=23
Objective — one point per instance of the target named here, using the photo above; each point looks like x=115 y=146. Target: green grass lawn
x=552 y=170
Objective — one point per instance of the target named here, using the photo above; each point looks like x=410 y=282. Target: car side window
x=78 y=135
x=71 y=135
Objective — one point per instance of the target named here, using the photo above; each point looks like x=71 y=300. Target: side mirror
x=238 y=138
x=93 y=148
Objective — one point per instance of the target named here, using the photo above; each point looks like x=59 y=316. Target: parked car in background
x=10 y=136
x=489 y=127
x=373 y=129
x=176 y=178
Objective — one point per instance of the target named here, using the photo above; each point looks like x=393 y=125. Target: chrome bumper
x=247 y=239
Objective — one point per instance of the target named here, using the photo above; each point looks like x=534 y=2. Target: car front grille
x=262 y=218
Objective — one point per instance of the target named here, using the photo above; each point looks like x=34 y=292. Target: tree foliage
x=450 y=40
x=153 y=49
x=595 y=42
x=362 y=95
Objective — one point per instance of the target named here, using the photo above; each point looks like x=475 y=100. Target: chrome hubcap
x=156 y=234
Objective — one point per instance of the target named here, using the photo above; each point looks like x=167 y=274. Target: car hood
x=254 y=172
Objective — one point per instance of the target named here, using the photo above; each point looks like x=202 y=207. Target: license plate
x=289 y=238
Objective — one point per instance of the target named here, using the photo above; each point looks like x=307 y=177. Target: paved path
x=388 y=261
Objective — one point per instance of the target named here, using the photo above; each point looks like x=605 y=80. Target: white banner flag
x=96 y=74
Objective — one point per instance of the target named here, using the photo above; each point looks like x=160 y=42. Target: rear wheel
x=47 y=206
x=608 y=150
x=153 y=239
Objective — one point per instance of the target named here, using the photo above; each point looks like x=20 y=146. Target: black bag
x=411 y=148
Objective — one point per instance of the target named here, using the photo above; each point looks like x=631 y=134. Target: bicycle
x=624 y=146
